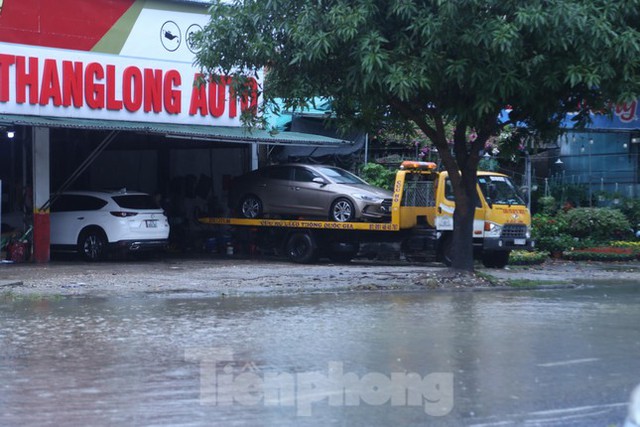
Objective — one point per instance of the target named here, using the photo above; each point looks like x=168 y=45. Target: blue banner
x=622 y=117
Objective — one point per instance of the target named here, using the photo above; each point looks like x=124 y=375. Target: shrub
x=527 y=257
x=378 y=175
x=547 y=226
x=559 y=243
x=635 y=245
x=601 y=254
x=631 y=209
x=600 y=224
x=586 y=242
x=548 y=205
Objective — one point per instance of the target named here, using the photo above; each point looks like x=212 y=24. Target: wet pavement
x=564 y=357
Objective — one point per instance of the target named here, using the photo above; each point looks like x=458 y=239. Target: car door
x=59 y=221
x=309 y=197
x=70 y=213
x=447 y=206
x=274 y=190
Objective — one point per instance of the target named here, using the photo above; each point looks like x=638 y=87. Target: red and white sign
x=62 y=83
x=627 y=112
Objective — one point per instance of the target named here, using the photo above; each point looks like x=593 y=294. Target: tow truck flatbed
x=303 y=223
x=421 y=221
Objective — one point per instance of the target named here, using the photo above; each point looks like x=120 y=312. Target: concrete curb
x=8 y=283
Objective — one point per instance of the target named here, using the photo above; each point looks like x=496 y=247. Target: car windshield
x=340 y=176
x=499 y=190
x=136 y=201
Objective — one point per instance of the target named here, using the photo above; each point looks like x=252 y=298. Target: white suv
x=92 y=222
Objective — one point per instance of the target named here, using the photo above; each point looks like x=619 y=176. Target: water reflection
x=513 y=355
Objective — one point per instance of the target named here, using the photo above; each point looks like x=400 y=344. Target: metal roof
x=212 y=133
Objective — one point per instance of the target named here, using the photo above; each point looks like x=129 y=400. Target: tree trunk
x=462 y=245
x=462 y=166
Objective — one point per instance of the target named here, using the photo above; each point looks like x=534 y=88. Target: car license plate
x=151 y=223
x=519 y=241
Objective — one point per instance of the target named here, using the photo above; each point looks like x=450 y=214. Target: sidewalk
x=235 y=276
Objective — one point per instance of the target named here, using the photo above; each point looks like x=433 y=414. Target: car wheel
x=495 y=259
x=250 y=207
x=92 y=244
x=342 y=210
x=301 y=248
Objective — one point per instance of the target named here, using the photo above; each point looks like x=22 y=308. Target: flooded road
x=510 y=358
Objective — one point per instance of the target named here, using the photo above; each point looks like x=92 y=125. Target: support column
x=254 y=156
x=41 y=189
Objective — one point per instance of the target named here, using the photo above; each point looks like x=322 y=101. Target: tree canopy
x=434 y=62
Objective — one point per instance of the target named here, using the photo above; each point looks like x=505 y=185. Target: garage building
x=100 y=94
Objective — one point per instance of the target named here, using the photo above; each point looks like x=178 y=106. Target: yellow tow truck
x=421 y=221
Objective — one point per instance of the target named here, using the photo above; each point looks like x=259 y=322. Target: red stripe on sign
x=67 y=24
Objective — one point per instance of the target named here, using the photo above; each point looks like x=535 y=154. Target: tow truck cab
x=502 y=221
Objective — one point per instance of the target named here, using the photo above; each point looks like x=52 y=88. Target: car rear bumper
x=142 y=245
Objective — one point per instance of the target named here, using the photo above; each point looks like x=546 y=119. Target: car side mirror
x=320 y=181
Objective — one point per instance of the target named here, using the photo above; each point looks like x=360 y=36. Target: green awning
x=212 y=133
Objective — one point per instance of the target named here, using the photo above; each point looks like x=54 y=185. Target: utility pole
x=527 y=177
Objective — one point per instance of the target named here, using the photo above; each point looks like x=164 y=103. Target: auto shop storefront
x=88 y=115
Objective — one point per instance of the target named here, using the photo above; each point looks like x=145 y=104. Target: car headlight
x=492 y=227
x=368 y=198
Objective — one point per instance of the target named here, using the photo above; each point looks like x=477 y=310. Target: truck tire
x=301 y=247
x=495 y=259
x=342 y=210
x=250 y=207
